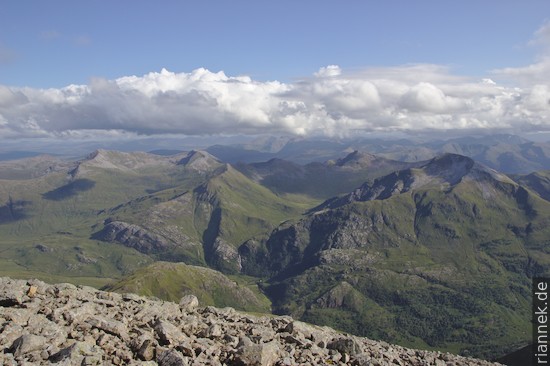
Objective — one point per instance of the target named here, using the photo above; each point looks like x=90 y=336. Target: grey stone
x=7 y=360
x=69 y=325
x=188 y=303
x=110 y=326
x=28 y=343
x=39 y=324
x=168 y=333
x=146 y=351
x=345 y=345
x=186 y=348
x=214 y=331
x=79 y=353
x=171 y=357
x=132 y=297
x=12 y=292
x=265 y=354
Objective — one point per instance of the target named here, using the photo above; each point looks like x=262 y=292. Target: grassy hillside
x=206 y=224
x=538 y=182
x=46 y=223
x=429 y=258
x=321 y=180
x=171 y=281
x=438 y=254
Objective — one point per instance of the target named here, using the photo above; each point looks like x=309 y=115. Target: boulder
x=28 y=343
x=70 y=325
x=171 y=357
x=168 y=334
x=265 y=354
x=79 y=353
x=188 y=303
x=12 y=292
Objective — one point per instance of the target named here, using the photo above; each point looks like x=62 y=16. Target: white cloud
x=328 y=71
x=408 y=98
x=539 y=71
x=528 y=75
x=541 y=40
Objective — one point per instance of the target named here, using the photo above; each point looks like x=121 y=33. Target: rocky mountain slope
x=434 y=256
x=203 y=224
x=537 y=181
x=43 y=324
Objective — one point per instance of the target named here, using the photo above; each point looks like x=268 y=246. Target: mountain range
x=433 y=253
x=505 y=153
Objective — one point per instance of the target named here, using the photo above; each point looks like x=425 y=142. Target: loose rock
x=63 y=324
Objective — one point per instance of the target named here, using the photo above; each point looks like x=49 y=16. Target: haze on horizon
x=80 y=72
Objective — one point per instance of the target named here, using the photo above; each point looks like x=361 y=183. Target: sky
x=94 y=70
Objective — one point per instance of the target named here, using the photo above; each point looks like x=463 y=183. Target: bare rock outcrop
x=132 y=236
x=42 y=324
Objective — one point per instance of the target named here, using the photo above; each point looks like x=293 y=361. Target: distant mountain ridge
x=506 y=153
x=432 y=253
x=320 y=180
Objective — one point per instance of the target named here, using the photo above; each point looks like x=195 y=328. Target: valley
x=434 y=253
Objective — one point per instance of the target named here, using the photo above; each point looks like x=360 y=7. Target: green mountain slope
x=46 y=223
x=321 y=180
x=171 y=281
x=436 y=256
x=203 y=225
x=538 y=182
x=432 y=254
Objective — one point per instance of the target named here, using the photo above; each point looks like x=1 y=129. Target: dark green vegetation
x=438 y=256
x=84 y=221
x=171 y=281
x=321 y=180
x=537 y=181
x=434 y=254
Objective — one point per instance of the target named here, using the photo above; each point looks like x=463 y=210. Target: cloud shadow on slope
x=69 y=190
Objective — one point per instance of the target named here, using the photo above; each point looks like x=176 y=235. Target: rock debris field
x=42 y=324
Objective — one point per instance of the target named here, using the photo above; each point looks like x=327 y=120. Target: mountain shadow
x=69 y=190
x=13 y=210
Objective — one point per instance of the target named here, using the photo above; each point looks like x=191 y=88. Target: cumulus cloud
x=539 y=71
x=330 y=70
x=332 y=102
x=541 y=40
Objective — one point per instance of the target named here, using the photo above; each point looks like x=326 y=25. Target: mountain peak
x=453 y=168
x=356 y=158
x=116 y=160
x=199 y=160
x=446 y=170
x=449 y=167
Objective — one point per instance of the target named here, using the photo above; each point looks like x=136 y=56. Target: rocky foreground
x=69 y=325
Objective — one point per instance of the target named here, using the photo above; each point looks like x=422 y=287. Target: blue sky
x=123 y=69
x=57 y=43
